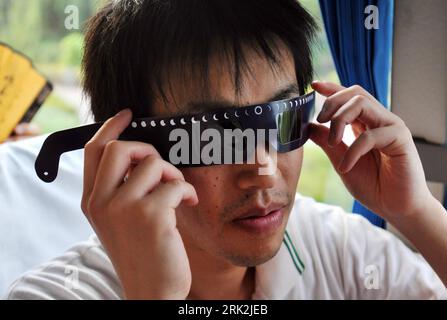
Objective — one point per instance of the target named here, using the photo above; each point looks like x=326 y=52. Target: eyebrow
x=283 y=93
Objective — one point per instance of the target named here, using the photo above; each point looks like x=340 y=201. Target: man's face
x=228 y=192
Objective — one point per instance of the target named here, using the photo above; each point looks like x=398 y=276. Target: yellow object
x=22 y=90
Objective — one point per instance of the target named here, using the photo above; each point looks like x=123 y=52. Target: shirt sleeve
x=378 y=265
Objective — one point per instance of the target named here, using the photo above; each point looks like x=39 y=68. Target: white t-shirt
x=326 y=254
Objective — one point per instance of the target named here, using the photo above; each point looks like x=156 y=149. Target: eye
x=226 y=116
x=215 y=118
x=258 y=110
x=204 y=119
x=153 y=124
x=182 y=121
x=172 y=122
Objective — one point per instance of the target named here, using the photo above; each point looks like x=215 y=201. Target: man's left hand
x=381 y=168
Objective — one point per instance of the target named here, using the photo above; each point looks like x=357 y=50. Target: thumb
x=320 y=135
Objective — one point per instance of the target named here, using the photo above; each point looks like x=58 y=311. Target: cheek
x=290 y=164
x=203 y=222
x=209 y=183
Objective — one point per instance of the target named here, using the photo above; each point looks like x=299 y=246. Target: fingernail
x=320 y=116
x=122 y=112
x=342 y=167
x=19 y=129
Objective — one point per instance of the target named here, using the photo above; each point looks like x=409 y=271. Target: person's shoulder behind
x=84 y=272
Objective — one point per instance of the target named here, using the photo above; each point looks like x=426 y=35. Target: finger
x=326 y=88
x=335 y=101
x=26 y=129
x=348 y=113
x=385 y=139
x=172 y=193
x=116 y=160
x=94 y=149
x=147 y=175
x=358 y=128
x=361 y=109
x=320 y=134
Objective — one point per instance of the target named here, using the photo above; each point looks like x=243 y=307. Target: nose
x=262 y=174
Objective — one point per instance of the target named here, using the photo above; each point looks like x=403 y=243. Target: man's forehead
x=284 y=92
x=261 y=82
x=203 y=104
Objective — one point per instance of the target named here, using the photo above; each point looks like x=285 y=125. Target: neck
x=217 y=279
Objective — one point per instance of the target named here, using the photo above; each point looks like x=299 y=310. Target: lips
x=260 y=211
x=264 y=222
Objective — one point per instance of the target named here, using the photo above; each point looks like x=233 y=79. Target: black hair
x=132 y=47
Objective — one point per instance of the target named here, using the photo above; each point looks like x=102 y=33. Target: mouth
x=262 y=220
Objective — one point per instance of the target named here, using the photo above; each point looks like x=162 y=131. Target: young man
x=227 y=232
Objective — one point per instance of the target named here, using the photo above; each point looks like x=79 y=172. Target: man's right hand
x=135 y=220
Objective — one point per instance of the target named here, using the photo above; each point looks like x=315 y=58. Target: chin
x=254 y=254
x=251 y=260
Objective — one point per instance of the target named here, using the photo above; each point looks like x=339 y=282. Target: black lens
x=289 y=125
